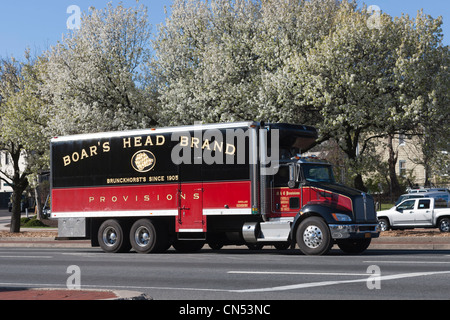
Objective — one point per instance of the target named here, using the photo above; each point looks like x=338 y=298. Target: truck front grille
x=364 y=209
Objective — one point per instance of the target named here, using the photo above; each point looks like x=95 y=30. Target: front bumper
x=354 y=231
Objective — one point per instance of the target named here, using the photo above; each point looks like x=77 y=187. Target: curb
x=411 y=243
x=25 y=242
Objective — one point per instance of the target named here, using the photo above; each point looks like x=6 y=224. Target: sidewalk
x=66 y=294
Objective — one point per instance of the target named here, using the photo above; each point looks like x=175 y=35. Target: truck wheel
x=255 y=246
x=354 y=246
x=215 y=245
x=187 y=246
x=282 y=245
x=384 y=224
x=313 y=237
x=444 y=225
x=146 y=237
x=112 y=237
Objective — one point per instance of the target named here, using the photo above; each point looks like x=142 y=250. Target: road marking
x=408 y=262
x=30 y=257
x=298 y=273
x=30 y=285
x=329 y=283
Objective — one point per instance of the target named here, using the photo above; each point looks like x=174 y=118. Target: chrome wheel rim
x=383 y=225
x=109 y=236
x=313 y=237
x=445 y=226
x=142 y=236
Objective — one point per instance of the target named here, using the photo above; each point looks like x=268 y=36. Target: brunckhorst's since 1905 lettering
x=168 y=178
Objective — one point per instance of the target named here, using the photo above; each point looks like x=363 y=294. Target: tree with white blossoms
x=218 y=60
x=204 y=62
x=423 y=74
x=320 y=62
x=23 y=127
x=95 y=76
x=347 y=75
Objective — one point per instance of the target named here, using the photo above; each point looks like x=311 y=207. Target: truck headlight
x=341 y=217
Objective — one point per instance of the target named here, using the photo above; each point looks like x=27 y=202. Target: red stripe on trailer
x=211 y=195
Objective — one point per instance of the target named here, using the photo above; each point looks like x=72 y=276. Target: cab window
x=424 y=204
x=407 y=205
x=281 y=179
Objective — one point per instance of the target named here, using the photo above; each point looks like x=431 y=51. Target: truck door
x=285 y=202
x=190 y=200
x=423 y=214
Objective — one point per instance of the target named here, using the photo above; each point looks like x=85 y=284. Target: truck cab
x=319 y=211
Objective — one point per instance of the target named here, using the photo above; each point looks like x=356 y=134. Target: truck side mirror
x=292 y=184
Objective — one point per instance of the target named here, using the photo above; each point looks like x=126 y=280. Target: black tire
x=444 y=225
x=215 y=245
x=255 y=246
x=354 y=246
x=313 y=237
x=384 y=224
x=149 y=237
x=282 y=245
x=113 y=237
x=187 y=246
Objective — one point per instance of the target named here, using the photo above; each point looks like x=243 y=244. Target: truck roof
x=154 y=130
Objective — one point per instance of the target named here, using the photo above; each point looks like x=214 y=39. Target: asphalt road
x=234 y=274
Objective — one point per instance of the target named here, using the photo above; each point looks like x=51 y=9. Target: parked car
x=421 y=189
x=442 y=195
x=416 y=213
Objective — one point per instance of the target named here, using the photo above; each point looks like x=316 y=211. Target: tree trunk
x=359 y=183
x=19 y=184
x=16 y=210
x=392 y=162
x=38 y=206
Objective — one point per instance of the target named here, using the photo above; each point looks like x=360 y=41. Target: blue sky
x=40 y=24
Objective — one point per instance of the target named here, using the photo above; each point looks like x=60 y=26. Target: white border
x=97 y=214
x=146 y=213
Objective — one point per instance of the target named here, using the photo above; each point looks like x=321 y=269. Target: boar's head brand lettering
x=143 y=161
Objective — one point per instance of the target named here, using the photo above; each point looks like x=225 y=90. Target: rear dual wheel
x=145 y=236
x=113 y=237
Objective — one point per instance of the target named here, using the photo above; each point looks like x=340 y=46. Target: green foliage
x=31 y=223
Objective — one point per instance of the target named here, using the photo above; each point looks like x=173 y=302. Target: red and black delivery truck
x=239 y=183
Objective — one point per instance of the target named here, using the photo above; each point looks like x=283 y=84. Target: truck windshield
x=317 y=173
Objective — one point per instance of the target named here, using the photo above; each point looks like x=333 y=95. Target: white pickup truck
x=416 y=213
